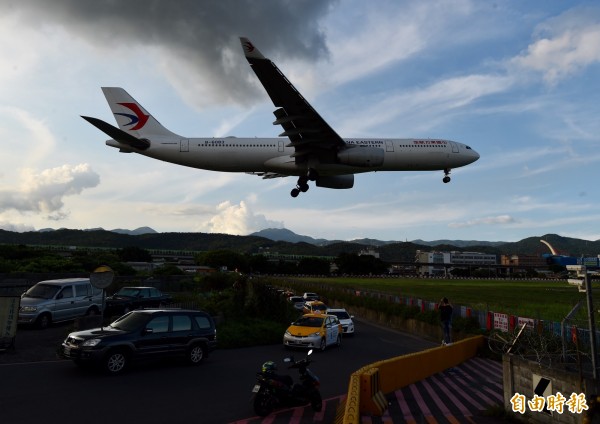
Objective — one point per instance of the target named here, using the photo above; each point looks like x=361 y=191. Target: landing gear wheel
x=303 y=187
x=446 y=176
x=295 y=192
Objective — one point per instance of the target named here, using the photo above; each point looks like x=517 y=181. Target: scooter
x=274 y=391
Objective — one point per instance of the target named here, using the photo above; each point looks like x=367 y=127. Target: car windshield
x=131 y=321
x=42 y=291
x=128 y=291
x=309 y=322
x=340 y=314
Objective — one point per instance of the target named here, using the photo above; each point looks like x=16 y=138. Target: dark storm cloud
x=199 y=39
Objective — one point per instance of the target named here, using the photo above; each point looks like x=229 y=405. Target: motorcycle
x=275 y=391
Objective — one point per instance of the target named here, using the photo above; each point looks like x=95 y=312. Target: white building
x=439 y=263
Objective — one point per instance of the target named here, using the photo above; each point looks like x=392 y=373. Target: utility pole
x=584 y=283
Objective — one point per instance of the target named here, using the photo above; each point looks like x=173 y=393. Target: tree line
x=21 y=258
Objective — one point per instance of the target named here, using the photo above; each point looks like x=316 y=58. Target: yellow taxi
x=314 y=331
x=314 y=307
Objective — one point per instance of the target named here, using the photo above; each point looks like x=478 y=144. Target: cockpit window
x=468 y=148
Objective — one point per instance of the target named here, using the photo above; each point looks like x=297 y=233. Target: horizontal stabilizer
x=117 y=134
x=268 y=175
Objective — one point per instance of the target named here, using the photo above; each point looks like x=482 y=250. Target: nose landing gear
x=446 y=178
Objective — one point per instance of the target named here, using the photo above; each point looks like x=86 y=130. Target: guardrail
x=369 y=385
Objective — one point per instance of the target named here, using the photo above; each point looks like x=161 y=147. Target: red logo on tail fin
x=138 y=120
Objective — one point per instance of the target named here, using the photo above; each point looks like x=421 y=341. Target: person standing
x=445 y=309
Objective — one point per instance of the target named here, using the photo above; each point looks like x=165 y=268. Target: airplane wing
x=118 y=134
x=309 y=134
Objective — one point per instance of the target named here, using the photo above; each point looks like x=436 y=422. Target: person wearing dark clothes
x=446 y=318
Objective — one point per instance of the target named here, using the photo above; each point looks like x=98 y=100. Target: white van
x=59 y=300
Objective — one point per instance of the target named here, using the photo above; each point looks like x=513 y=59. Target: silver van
x=59 y=300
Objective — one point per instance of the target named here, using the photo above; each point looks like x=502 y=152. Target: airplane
x=313 y=151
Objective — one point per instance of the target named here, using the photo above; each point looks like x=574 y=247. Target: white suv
x=59 y=300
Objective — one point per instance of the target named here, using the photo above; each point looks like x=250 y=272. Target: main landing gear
x=446 y=178
x=302 y=184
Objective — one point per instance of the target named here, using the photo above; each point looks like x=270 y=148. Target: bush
x=233 y=334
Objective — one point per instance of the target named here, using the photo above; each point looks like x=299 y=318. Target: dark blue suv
x=144 y=334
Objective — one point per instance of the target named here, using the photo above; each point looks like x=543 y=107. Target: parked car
x=314 y=331
x=310 y=296
x=297 y=302
x=130 y=298
x=144 y=334
x=314 y=307
x=59 y=300
x=345 y=319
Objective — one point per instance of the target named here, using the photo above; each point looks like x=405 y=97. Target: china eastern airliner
x=308 y=148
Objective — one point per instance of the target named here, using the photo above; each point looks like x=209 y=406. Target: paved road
x=216 y=392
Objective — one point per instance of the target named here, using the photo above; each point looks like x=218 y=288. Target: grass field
x=544 y=299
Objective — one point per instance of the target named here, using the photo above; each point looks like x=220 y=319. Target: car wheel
x=323 y=345
x=43 y=321
x=115 y=362
x=93 y=311
x=195 y=354
x=338 y=342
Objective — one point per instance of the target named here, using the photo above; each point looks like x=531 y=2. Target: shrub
x=250 y=332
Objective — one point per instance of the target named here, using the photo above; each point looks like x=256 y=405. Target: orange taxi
x=314 y=331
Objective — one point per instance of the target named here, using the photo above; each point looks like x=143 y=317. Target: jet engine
x=365 y=157
x=336 y=181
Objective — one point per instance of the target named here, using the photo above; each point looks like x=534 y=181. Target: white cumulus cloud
x=566 y=44
x=237 y=219
x=44 y=192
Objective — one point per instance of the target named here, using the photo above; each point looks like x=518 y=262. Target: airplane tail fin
x=131 y=116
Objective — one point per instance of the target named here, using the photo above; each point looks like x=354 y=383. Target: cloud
x=491 y=220
x=195 y=44
x=426 y=107
x=16 y=228
x=566 y=44
x=44 y=192
x=237 y=219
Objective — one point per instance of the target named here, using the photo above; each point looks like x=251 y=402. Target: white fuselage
x=232 y=154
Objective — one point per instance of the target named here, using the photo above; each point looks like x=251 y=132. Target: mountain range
x=283 y=234
x=283 y=241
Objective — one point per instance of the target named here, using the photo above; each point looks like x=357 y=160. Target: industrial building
x=441 y=263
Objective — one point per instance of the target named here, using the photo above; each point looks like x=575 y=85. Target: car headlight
x=28 y=308
x=318 y=333
x=287 y=333
x=91 y=342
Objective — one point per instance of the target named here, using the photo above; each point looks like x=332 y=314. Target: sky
x=517 y=81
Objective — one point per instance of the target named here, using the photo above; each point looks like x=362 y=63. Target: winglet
x=250 y=51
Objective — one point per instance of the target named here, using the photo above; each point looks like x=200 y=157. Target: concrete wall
x=366 y=395
x=520 y=376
